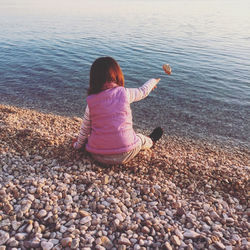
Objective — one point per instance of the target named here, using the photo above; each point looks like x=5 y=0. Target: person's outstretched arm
x=84 y=131
x=136 y=94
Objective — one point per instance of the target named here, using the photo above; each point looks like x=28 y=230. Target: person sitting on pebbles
x=107 y=128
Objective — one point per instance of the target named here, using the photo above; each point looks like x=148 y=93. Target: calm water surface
x=46 y=50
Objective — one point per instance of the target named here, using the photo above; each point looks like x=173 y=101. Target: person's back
x=107 y=129
x=111 y=129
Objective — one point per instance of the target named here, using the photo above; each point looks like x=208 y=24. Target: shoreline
x=181 y=194
x=140 y=124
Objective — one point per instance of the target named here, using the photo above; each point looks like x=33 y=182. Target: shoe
x=156 y=134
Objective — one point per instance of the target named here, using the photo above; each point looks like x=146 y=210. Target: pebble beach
x=182 y=194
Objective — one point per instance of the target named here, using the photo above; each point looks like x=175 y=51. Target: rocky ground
x=182 y=194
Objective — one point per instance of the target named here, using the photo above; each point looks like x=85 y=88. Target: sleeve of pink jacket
x=84 y=130
x=137 y=94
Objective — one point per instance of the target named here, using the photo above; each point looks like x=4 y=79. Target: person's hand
x=157 y=81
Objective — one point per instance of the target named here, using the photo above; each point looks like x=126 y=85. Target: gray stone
x=63 y=229
x=124 y=241
x=15 y=225
x=84 y=213
x=21 y=236
x=47 y=245
x=68 y=200
x=191 y=234
x=137 y=247
x=145 y=230
x=220 y=245
x=167 y=246
x=66 y=242
x=4 y=236
x=35 y=242
x=176 y=241
x=75 y=243
x=85 y=220
x=106 y=242
x=122 y=247
x=54 y=241
x=12 y=242
x=26 y=207
x=42 y=213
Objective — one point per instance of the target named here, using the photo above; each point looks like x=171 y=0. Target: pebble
x=141 y=242
x=206 y=207
x=54 y=241
x=153 y=203
x=190 y=246
x=63 y=229
x=47 y=245
x=34 y=243
x=66 y=242
x=26 y=207
x=106 y=204
x=73 y=215
x=4 y=236
x=12 y=242
x=51 y=195
x=176 y=241
x=119 y=217
x=68 y=200
x=98 y=247
x=75 y=243
x=31 y=197
x=178 y=233
x=167 y=246
x=21 y=236
x=229 y=220
x=137 y=247
x=85 y=220
x=42 y=213
x=116 y=222
x=84 y=213
x=145 y=230
x=29 y=227
x=5 y=223
x=113 y=200
x=15 y=225
x=191 y=234
x=208 y=220
x=122 y=247
x=8 y=207
x=124 y=241
x=220 y=245
x=214 y=215
x=106 y=242
x=105 y=180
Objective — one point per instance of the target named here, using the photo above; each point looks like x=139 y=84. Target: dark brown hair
x=104 y=69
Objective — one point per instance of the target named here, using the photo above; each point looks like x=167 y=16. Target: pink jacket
x=101 y=102
x=111 y=122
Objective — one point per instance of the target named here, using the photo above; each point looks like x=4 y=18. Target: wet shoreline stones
x=180 y=195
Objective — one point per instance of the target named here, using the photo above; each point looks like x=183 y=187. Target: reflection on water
x=47 y=48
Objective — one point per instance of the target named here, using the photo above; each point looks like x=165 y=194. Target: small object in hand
x=167 y=68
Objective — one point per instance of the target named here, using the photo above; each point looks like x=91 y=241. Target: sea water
x=47 y=48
